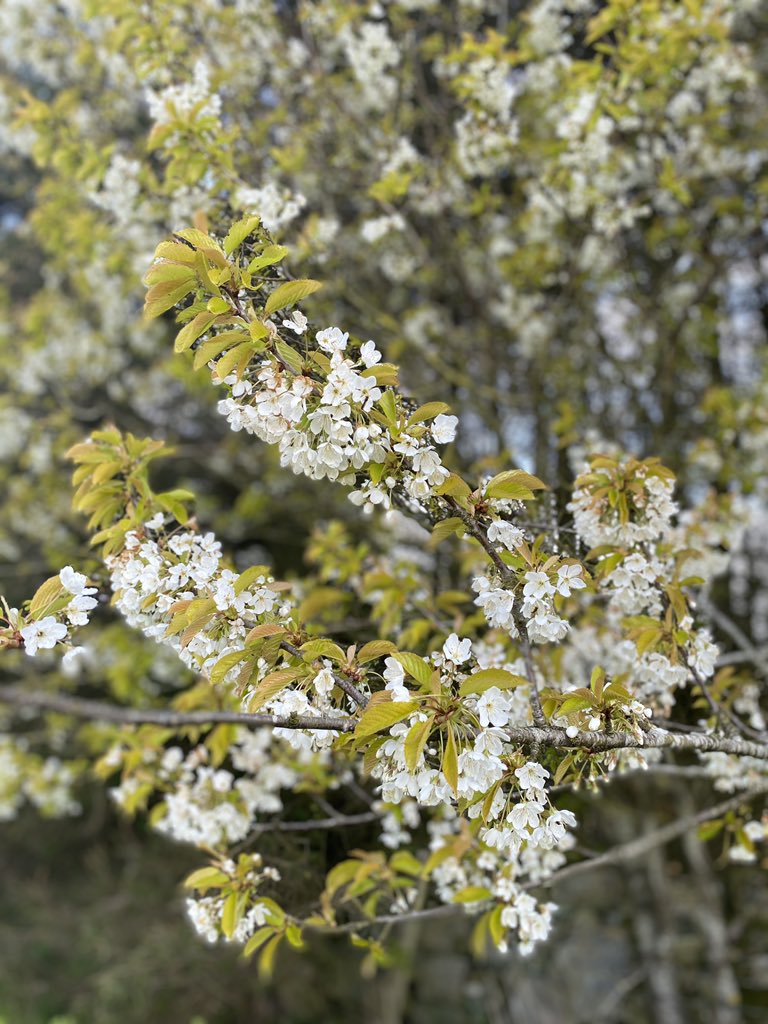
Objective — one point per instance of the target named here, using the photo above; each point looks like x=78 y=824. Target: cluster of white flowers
x=149 y=577
x=212 y=807
x=323 y=428
x=744 y=852
x=45 y=633
x=190 y=100
x=374 y=228
x=206 y=912
x=275 y=205
x=598 y=523
x=504 y=874
x=372 y=55
x=486 y=133
x=542 y=622
x=46 y=782
x=519 y=817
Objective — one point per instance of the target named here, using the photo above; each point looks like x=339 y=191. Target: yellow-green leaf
x=239 y=231
x=206 y=878
x=514 y=485
x=188 y=335
x=45 y=595
x=415 y=666
x=383 y=715
x=415 y=742
x=427 y=412
x=483 y=680
x=375 y=649
x=269 y=256
x=289 y=293
x=450 y=765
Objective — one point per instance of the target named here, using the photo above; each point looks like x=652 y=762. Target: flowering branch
x=531 y=736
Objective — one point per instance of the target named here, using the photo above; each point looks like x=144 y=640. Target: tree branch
x=527 y=735
x=98 y=711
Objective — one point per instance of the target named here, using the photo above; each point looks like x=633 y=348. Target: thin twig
x=644 y=844
x=351 y=691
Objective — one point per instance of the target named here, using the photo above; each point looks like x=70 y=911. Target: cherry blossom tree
x=546 y=565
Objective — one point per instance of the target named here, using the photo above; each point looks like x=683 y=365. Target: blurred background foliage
x=552 y=214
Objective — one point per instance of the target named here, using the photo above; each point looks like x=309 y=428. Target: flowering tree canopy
x=533 y=507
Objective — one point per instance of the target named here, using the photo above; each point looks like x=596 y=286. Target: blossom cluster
x=207 y=805
x=62 y=604
x=206 y=912
x=154 y=572
x=504 y=794
x=537 y=609
x=647 y=514
x=323 y=427
x=45 y=782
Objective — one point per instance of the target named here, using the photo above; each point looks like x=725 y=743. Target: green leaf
x=176 y=252
x=446 y=528
x=271 y=685
x=226 y=664
x=206 y=878
x=188 y=335
x=427 y=412
x=455 y=486
x=257 y=330
x=228 y=362
x=388 y=406
x=45 y=595
x=289 y=293
x=294 y=936
x=258 y=939
x=572 y=704
x=199 y=239
x=165 y=295
x=314 y=649
x=709 y=829
x=251 y=575
x=416 y=740
x=239 y=231
x=472 y=894
x=450 y=764
x=514 y=485
x=375 y=649
x=289 y=356
x=483 y=680
x=230 y=915
x=405 y=863
x=269 y=256
x=218 y=305
x=383 y=715
x=385 y=374
x=215 y=346
x=415 y=666
x=267 y=958
x=495 y=927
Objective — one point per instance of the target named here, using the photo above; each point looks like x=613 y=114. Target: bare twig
x=645 y=843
